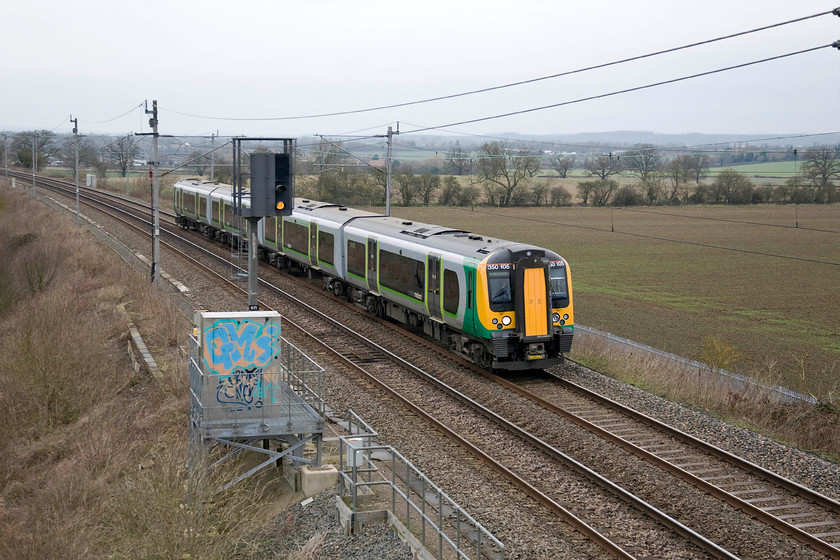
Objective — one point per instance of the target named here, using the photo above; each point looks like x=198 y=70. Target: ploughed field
x=670 y=277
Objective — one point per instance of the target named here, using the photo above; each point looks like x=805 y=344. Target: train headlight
x=506 y=320
x=566 y=317
x=555 y=318
x=495 y=321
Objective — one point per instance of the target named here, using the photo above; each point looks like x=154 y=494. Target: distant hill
x=623 y=138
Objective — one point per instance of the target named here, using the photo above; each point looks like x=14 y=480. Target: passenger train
x=502 y=305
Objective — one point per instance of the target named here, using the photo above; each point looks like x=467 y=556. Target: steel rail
x=738 y=462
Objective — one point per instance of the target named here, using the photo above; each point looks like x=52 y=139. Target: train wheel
x=481 y=357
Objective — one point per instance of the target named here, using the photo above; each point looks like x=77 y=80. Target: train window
x=451 y=291
x=271 y=230
x=188 y=203
x=559 y=287
x=228 y=213
x=356 y=254
x=202 y=208
x=326 y=247
x=296 y=238
x=402 y=274
x=216 y=204
x=501 y=293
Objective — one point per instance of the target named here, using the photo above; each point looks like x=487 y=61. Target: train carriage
x=501 y=304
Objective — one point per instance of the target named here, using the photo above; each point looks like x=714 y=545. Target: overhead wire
x=511 y=84
x=620 y=92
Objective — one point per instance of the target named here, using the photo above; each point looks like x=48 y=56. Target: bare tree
x=408 y=184
x=327 y=154
x=200 y=162
x=698 y=165
x=642 y=161
x=92 y=155
x=603 y=166
x=459 y=160
x=509 y=169
x=584 y=189
x=602 y=191
x=731 y=187
x=123 y=151
x=539 y=193
x=560 y=196
x=467 y=196
x=820 y=167
x=678 y=171
x=427 y=185
x=449 y=191
x=33 y=146
x=655 y=189
x=562 y=165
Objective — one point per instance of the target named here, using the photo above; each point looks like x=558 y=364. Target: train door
x=535 y=302
x=372 y=266
x=434 y=286
x=313 y=244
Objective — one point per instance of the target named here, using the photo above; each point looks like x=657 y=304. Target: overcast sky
x=262 y=59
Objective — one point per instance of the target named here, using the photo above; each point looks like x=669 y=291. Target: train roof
x=431 y=236
x=444 y=239
x=335 y=213
x=202 y=186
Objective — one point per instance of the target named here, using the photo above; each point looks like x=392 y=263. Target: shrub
x=627 y=196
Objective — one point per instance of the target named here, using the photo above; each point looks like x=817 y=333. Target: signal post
x=271 y=193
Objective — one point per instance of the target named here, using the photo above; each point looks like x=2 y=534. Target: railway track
x=365 y=356
x=808 y=516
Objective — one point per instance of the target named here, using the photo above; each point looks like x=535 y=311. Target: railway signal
x=272 y=193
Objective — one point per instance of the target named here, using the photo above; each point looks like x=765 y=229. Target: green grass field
x=672 y=277
x=773 y=173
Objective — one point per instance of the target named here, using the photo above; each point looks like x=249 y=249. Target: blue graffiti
x=241 y=388
x=242 y=345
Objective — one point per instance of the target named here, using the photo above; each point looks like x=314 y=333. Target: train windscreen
x=500 y=287
x=558 y=284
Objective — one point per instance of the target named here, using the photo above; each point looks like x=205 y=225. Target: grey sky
x=96 y=59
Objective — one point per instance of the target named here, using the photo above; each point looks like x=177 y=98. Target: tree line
x=40 y=148
x=496 y=174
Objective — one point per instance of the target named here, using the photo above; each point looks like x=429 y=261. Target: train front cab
x=526 y=308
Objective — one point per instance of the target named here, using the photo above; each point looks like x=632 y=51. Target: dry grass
x=811 y=427
x=92 y=454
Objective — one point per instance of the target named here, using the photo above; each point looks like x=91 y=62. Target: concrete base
x=315 y=480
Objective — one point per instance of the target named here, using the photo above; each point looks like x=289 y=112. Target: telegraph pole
x=153 y=171
x=127 y=162
x=76 y=166
x=34 y=159
x=390 y=137
x=212 y=154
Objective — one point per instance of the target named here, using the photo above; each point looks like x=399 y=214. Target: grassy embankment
x=94 y=453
